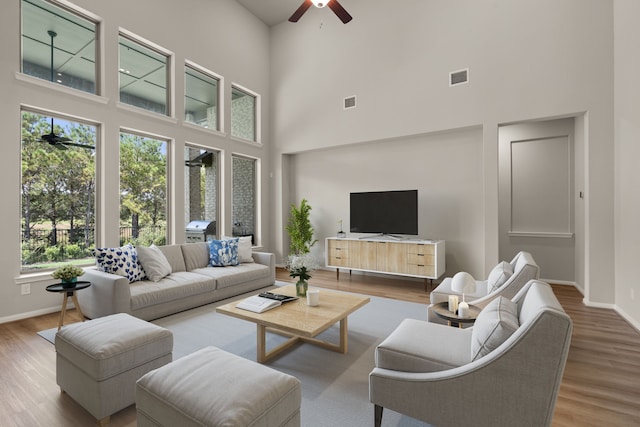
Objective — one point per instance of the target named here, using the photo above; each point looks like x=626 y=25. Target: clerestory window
x=59 y=45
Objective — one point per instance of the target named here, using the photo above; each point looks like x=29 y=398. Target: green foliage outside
x=58 y=193
x=300 y=229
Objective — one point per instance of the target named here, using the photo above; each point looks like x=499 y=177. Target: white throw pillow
x=154 y=263
x=244 y=248
x=498 y=276
x=495 y=323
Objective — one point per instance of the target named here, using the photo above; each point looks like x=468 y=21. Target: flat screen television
x=384 y=212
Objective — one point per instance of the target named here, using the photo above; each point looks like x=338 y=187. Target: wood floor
x=601 y=384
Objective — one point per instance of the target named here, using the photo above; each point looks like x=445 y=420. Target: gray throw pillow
x=495 y=323
x=154 y=263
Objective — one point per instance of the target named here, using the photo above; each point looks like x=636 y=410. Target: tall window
x=58 y=191
x=244 y=196
x=144 y=76
x=59 y=45
x=243 y=114
x=201 y=192
x=143 y=190
x=201 y=98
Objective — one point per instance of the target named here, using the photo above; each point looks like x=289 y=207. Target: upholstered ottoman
x=99 y=361
x=214 y=388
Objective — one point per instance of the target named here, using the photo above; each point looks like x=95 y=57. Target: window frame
x=99 y=69
x=257 y=112
x=169 y=78
x=257 y=200
x=98 y=187
x=220 y=97
x=170 y=177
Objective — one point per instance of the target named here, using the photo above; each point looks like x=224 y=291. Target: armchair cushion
x=499 y=275
x=419 y=346
x=495 y=323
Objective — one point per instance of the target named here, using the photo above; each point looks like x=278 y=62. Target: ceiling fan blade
x=306 y=4
x=73 y=144
x=340 y=11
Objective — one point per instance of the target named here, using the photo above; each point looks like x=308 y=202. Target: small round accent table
x=441 y=310
x=66 y=293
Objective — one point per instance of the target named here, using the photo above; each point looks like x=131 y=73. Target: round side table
x=66 y=293
x=441 y=310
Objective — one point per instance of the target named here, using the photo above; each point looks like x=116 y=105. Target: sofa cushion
x=223 y=253
x=244 y=248
x=174 y=256
x=235 y=275
x=171 y=288
x=495 y=323
x=196 y=255
x=122 y=261
x=154 y=263
x=498 y=276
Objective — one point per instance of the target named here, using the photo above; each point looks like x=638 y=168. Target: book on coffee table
x=258 y=304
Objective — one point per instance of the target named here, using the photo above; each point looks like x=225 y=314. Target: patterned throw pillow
x=122 y=261
x=223 y=252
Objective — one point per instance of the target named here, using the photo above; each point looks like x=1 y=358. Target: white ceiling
x=273 y=12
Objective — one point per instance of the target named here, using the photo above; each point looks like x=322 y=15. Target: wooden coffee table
x=299 y=321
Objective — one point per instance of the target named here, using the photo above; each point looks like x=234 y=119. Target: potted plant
x=300 y=267
x=68 y=274
x=299 y=262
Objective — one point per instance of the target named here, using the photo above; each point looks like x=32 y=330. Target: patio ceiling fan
x=333 y=5
x=58 y=141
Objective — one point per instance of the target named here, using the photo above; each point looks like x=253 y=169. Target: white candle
x=453 y=303
x=463 y=310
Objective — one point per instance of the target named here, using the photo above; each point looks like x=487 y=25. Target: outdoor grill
x=197 y=231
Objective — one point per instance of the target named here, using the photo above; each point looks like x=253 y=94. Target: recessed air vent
x=459 y=77
x=350 y=102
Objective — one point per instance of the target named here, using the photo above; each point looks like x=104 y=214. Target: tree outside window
x=143 y=190
x=57 y=192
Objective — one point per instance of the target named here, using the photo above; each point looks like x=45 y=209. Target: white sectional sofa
x=191 y=283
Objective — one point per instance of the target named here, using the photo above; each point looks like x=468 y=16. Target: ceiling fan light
x=320 y=3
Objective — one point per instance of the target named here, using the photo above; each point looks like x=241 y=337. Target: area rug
x=335 y=386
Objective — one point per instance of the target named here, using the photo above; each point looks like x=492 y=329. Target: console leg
x=337 y=274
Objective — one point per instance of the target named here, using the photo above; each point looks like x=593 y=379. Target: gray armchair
x=446 y=377
x=506 y=279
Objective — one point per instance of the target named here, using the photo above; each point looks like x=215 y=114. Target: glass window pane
x=201 y=99
x=72 y=61
x=244 y=197
x=143 y=190
x=243 y=114
x=201 y=193
x=143 y=77
x=57 y=193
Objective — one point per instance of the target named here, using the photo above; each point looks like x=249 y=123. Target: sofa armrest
x=268 y=259
x=108 y=294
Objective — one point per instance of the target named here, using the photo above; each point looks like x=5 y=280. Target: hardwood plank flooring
x=600 y=387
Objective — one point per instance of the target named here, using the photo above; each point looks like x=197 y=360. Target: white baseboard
x=628 y=318
x=34 y=313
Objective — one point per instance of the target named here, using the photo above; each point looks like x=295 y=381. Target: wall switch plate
x=25 y=289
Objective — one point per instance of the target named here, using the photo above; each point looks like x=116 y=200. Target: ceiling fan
x=61 y=142
x=333 y=5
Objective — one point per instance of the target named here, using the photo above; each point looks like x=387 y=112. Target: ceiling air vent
x=350 y=102
x=459 y=77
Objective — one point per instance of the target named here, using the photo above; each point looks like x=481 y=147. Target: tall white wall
x=527 y=60
x=627 y=135
x=448 y=200
x=221 y=36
